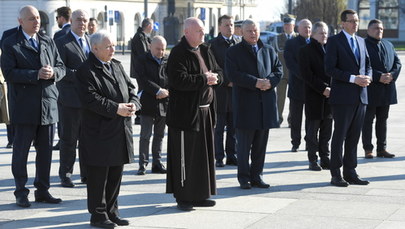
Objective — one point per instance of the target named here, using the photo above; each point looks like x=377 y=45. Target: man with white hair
x=108 y=102
x=31 y=65
x=255 y=71
x=192 y=72
x=74 y=49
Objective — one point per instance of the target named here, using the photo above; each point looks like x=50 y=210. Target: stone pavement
x=298 y=197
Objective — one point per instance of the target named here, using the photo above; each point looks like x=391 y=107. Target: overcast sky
x=269 y=10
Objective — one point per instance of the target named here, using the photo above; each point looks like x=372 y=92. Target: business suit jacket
x=186 y=84
x=72 y=56
x=295 y=80
x=152 y=76
x=340 y=63
x=311 y=62
x=219 y=46
x=32 y=100
x=65 y=30
x=380 y=94
x=8 y=33
x=253 y=109
x=139 y=45
x=105 y=137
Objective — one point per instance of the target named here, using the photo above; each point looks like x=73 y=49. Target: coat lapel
x=77 y=46
x=346 y=45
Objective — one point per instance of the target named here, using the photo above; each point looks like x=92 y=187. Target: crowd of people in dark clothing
x=219 y=100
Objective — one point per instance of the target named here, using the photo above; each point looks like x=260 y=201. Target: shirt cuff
x=352 y=78
x=157 y=93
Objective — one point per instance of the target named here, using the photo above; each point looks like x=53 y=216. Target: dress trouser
x=147 y=122
x=70 y=118
x=381 y=115
x=24 y=135
x=224 y=119
x=323 y=129
x=348 y=122
x=103 y=187
x=253 y=143
x=295 y=117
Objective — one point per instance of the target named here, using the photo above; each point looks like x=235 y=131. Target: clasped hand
x=362 y=80
x=163 y=93
x=386 y=78
x=263 y=84
x=212 y=78
x=46 y=72
x=126 y=109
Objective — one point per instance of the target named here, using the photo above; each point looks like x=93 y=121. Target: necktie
x=82 y=46
x=308 y=40
x=108 y=66
x=33 y=43
x=355 y=49
x=254 y=49
x=230 y=42
x=288 y=36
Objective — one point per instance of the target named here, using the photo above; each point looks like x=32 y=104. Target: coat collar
x=186 y=45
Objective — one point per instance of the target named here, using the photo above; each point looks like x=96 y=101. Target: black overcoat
x=105 y=137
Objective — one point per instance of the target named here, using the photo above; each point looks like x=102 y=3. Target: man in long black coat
x=295 y=80
x=140 y=43
x=381 y=92
x=255 y=71
x=317 y=90
x=192 y=72
x=108 y=100
x=31 y=65
x=219 y=46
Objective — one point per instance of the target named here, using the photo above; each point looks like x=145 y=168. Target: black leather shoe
x=339 y=182
x=23 y=202
x=294 y=149
x=204 y=203
x=245 y=185
x=119 y=221
x=56 y=147
x=9 y=146
x=46 y=198
x=219 y=164
x=385 y=154
x=141 y=171
x=103 y=224
x=184 y=205
x=67 y=182
x=83 y=180
x=232 y=161
x=356 y=180
x=314 y=166
x=259 y=184
x=159 y=168
x=325 y=164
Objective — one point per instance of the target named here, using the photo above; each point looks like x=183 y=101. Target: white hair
x=98 y=37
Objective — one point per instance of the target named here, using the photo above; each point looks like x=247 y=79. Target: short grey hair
x=158 y=39
x=249 y=22
x=305 y=20
x=319 y=24
x=78 y=12
x=98 y=37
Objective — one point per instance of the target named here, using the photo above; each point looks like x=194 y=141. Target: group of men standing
x=231 y=83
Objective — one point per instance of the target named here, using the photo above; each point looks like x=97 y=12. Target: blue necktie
x=254 y=49
x=355 y=49
x=33 y=43
x=82 y=46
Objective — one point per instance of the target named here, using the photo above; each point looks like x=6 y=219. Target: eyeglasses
x=353 y=21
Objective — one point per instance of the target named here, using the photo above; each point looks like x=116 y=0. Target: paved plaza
x=297 y=198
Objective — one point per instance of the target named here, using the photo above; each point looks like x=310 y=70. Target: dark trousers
x=348 y=122
x=317 y=138
x=25 y=134
x=295 y=120
x=381 y=115
x=10 y=133
x=103 y=187
x=70 y=118
x=253 y=143
x=281 y=94
x=225 y=119
x=147 y=122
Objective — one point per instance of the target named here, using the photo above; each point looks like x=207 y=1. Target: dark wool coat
x=32 y=100
x=186 y=82
x=105 y=137
x=139 y=45
x=380 y=94
x=311 y=62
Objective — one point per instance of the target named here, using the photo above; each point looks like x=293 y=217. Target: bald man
x=31 y=65
x=193 y=72
x=152 y=77
x=74 y=49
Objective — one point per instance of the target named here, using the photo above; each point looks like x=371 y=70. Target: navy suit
x=296 y=87
x=33 y=107
x=255 y=111
x=65 y=30
x=348 y=101
x=383 y=59
x=69 y=104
